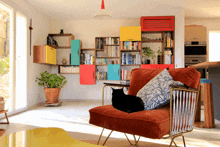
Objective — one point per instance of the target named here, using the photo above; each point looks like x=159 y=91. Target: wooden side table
x=4 y=111
x=207 y=97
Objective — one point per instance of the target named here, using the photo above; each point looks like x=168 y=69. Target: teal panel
x=75 y=52
x=205 y=81
x=113 y=72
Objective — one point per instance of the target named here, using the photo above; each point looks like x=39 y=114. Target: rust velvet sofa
x=169 y=121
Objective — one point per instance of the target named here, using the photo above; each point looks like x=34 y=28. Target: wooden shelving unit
x=71 y=36
x=107 y=50
x=151 y=26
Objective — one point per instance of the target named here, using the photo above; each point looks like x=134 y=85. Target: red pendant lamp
x=103 y=13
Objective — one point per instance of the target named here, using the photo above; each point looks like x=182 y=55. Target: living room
x=84 y=27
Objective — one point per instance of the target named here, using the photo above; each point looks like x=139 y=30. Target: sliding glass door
x=6 y=55
x=21 y=61
x=13 y=59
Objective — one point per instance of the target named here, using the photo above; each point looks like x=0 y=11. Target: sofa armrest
x=183 y=101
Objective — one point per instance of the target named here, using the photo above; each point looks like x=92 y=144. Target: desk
x=42 y=137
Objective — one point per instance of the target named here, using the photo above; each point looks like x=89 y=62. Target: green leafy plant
x=159 y=52
x=148 y=52
x=48 y=80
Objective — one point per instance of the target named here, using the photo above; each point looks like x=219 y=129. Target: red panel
x=157 y=23
x=149 y=66
x=157 y=66
x=87 y=74
x=164 y=66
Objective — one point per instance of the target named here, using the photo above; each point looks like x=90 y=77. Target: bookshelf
x=107 y=52
x=157 y=32
x=163 y=40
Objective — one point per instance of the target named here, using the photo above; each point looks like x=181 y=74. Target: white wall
x=87 y=30
x=40 y=24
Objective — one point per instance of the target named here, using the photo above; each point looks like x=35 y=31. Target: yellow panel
x=130 y=33
x=54 y=56
x=48 y=54
x=42 y=137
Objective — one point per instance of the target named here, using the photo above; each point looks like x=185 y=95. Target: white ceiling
x=85 y=9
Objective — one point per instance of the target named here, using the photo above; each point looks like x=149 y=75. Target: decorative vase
x=52 y=95
x=159 y=59
x=64 y=61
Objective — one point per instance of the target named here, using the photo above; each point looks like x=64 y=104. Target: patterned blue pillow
x=156 y=92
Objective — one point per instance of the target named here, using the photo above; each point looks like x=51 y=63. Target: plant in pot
x=52 y=84
x=147 y=53
x=159 y=56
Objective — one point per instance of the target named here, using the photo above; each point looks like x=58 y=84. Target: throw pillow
x=156 y=92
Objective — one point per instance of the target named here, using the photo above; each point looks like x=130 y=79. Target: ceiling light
x=103 y=13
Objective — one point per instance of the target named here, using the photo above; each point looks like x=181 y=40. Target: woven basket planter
x=52 y=95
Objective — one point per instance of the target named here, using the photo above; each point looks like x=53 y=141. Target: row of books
x=69 y=69
x=111 y=51
x=86 y=59
x=101 y=75
x=100 y=61
x=130 y=45
x=99 y=43
x=130 y=58
x=125 y=74
x=112 y=40
x=168 y=57
x=169 y=42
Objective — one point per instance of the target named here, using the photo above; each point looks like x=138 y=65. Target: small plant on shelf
x=147 y=54
x=159 y=56
x=52 y=84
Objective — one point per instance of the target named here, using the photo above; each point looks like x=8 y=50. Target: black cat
x=126 y=103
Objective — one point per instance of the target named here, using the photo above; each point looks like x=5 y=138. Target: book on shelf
x=69 y=69
x=86 y=59
x=130 y=45
x=99 y=43
x=167 y=57
x=100 y=61
x=169 y=42
x=130 y=58
x=101 y=75
x=111 y=51
x=112 y=40
x=126 y=74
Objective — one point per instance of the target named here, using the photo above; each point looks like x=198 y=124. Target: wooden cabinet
x=195 y=33
x=130 y=33
x=44 y=54
x=157 y=66
x=75 y=52
x=113 y=72
x=87 y=74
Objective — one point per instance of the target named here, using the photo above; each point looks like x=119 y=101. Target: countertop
x=206 y=65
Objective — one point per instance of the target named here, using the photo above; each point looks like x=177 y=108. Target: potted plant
x=52 y=84
x=159 y=56
x=147 y=53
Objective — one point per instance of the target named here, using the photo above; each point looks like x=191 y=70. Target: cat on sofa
x=126 y=103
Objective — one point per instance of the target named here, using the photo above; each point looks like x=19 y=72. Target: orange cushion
x=140 y=77
x=147 y=123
